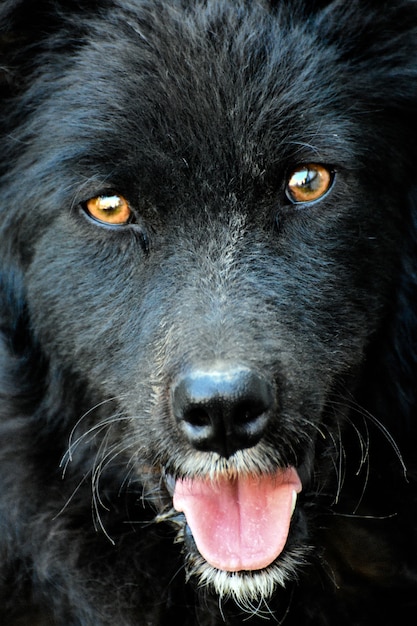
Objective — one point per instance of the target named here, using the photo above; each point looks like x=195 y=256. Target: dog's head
x=203 y=205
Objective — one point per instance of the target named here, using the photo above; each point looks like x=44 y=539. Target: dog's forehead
x=202 y=90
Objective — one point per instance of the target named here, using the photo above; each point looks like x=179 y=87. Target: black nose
x=224 y=409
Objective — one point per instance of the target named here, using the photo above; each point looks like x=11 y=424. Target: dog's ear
x=14 y=37
x=20 y=26
x=25 y=31
x=403 y=360
x=390 y=388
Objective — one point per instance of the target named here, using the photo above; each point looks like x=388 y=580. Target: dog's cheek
x=80 y=296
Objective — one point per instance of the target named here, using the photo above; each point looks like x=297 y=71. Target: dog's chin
x=246 y=588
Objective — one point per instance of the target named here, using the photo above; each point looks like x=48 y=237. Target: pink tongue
x=239 y=524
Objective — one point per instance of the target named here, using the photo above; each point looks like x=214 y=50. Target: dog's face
x=206 y=231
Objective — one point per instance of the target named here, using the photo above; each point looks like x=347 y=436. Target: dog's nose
x=223 y=409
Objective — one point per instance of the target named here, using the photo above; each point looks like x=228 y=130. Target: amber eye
x=109 y=209
x=308 y=183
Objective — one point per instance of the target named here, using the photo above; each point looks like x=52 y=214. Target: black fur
x=197 y=112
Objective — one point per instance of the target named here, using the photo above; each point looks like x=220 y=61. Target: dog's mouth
x=239 y=523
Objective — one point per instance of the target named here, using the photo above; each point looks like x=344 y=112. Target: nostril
x=223 y=409
x=248 y=410
x=197 y=416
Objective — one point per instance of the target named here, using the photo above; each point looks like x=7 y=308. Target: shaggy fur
x=197 y=112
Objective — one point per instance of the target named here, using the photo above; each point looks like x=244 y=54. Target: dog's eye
x=112 y=209
x=308 y=183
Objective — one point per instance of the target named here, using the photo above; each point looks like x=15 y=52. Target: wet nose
x=223 y=409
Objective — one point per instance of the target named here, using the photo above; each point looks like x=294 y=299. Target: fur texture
x=199 y=114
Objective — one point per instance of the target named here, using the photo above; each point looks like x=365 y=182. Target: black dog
x=208 y=377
